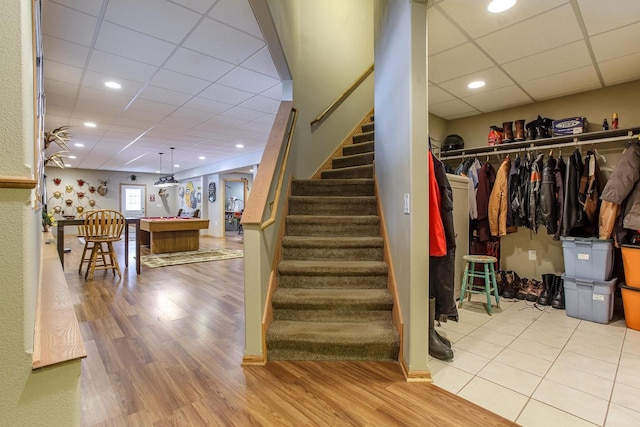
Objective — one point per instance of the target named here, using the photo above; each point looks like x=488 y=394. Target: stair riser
x=332 y=229
x=334 y=282
x=363 y=137
x=326 y=352
x=363 y=147
x=331 y=315
x=357 y=172
x=338 y=306
x=344 y=254
x=319 y=188
x=320 y=206
x=368 y=127
x=348 y=161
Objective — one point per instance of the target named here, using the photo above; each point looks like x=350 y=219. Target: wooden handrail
x=342 y=97
x=276 y=198
x=17 y=182
x=257 y=203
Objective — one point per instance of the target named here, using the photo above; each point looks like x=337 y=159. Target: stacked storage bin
x=631 y=292
x=588 y=285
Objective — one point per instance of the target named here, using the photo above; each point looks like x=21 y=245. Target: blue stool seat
x=488 y=274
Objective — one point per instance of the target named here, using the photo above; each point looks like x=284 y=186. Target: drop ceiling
x=197 y=74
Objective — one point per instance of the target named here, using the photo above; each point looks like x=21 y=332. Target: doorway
x=235 y=193
x=133 y=198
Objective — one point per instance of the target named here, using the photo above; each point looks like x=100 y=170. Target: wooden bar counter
x=172 y=234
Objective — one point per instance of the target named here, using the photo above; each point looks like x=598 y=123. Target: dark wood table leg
x=60 y=244
x=126 y=245
x=138 y=247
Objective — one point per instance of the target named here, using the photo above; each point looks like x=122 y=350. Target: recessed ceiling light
x=158 y=172
x=202 y=157
x=113 y=85
x=176 y=166
x=73 y=157
x=498 y=6
x=90 y=124
x=78 y=144
x=239 y=146
x=250 y=170
x=476 y=84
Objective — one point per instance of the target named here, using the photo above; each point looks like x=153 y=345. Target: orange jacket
x=498 y=201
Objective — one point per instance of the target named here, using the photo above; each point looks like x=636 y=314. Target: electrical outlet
x=407 y=209
x=532 y=255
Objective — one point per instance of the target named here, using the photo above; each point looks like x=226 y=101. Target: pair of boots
x=439 y=346
x=508 y=134
x=553 y=291
x=508 y=283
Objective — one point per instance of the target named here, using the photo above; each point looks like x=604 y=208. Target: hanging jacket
x=472 y=174
x=486 y=179
x=589 y=190
x=437 y=242
x=548 y=206
x=535 y=215
x=498 y=204
x=520 y=193
x=442 y=269
x=571 y=189
x=511 y=182
x=622 y=189
x=559 y=174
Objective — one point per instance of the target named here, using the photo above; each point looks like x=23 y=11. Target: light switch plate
x=407 y=209
x=532 y=255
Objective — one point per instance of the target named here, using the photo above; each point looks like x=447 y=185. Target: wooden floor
x=165 y=348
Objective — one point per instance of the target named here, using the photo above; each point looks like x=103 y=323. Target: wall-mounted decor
x=212 y=191
x=102 y=188
x=92 y=189
x=81 y=182
x=56 y=181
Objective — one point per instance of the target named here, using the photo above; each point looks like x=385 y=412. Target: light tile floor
x=538 y=367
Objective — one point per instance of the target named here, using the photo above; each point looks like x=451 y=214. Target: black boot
x=512 y=283
x=437 y=348
x=443 y=339
x=547 y=289
x=558 y=299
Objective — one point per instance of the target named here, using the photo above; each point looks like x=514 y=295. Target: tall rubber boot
x=437 y=348
x=558 y=299
x=547 y=289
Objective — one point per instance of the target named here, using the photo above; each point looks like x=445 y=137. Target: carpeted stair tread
x=290 y=340
x=353 y=160
x=333 y=315
x=333 y=241
x=363 y=137
x=333 y=225
x=367 y=127
x=333 y=268
x=333 y=187
x=330 y=205
x=343 y=300
x=365 y=171
x=363 y=147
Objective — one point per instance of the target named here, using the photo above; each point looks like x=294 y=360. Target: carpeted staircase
x=332 y=301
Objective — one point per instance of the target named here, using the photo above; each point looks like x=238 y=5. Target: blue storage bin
x=588 y=258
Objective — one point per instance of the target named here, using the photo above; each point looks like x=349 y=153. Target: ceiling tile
x=443 y=34
x=568 y=82
x=243 y=113
x=65 y=52
x=200 y=6
x=132 y=44
x=616 y=43
x=457 y=62
x=188 y=113
x=261 y=103
x=225 y=94
x=158 y=18
x=477 y=21
x=262 y=63
x=230 y=122
x=493 y=77
x=207 y=105
x=241 y=78
x=193 y=64
x=274 y=92
x=62 y=73
x=180 y=121
x=438 y=95
x=166 y=96
x=68 y=24
x=96 y=80
x=118 y=66
x=600 y=16
x=258 y=127
x=61 y=88
x=165 y=131
x=178 y=82
x=498 y=99
x=533 y=35
x=223 y=42
x=238 y=14
x=92 y=7
x=448 y=108
x=161 y=108
x=552 y=61
x=620 y=70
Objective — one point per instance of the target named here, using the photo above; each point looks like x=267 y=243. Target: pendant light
x=168 y=180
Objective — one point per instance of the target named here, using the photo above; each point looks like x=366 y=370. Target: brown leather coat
x=498 y=201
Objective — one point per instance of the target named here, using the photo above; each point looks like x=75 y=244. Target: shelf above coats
x=588 y=138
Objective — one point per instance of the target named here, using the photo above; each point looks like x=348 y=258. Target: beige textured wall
x=595 y=105
x=48 y=397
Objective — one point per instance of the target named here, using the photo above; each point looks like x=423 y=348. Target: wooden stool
x=489 y=276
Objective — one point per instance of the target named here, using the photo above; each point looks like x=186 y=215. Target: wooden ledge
x=57 y=336
x=17 y=182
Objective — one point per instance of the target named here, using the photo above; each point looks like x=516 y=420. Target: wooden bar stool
x=489 y=276
x=103 y=227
